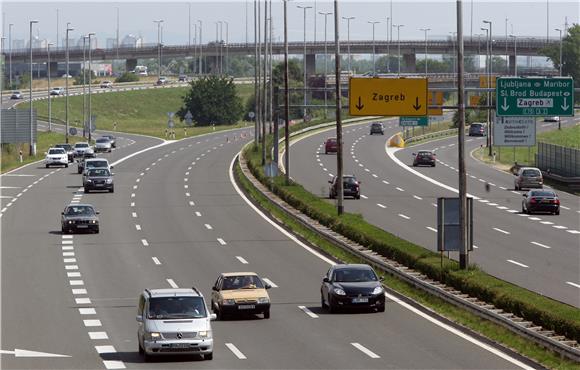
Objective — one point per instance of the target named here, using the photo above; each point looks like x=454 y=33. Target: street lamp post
x=490 y=123
x=337 y=79
x=389 y=29
x=453 y=57
x=68 y=28
x=425 y=30
x=348 y=19
x=304 y=8
x=374 y=67
x=286 y=97
x=117 y=38
x=398 y=26
x=194 y=59
x=90 y=83
x=487 y=62
x=10 y=55
x=84 y=70
x=200 y=47
x=338 y=97
x=515 y=54
x=32 y=143
x=561 y=62
x=227 y=46
x=506 y=48
x=158 y=47
x=48 y=75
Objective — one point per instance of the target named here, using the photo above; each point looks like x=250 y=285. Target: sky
x=525 y=18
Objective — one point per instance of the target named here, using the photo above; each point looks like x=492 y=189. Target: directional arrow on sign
x=417 y=106
x=26 y=353
x=505 y=106
x=359 y=105
x=565 y=106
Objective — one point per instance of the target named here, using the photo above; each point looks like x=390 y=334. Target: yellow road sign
x=388 y=97
x=435 y=98
x=474 y=100
x=483 y=81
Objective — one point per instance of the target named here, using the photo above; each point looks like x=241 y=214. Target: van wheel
x=141 y=350
x=208 y=356
x=267 y=314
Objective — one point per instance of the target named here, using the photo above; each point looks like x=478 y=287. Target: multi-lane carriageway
x=177 y=219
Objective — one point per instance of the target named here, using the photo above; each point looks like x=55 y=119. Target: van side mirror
x=98 y=212
x=212 y=317
x=214 y=288
x=139 y=318
x=112 y=167
x=325 y=280
x=267 y=286
x=62 y=213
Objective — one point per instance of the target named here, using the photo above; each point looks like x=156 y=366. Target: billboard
x=514 y=131
x=15 y=126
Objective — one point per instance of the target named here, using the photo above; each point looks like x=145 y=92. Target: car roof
x=81 y=205
x=238 y=273
x=173 y=292
x=81 y=142
x=96 y=159
x=529 y=168
x=360 y=266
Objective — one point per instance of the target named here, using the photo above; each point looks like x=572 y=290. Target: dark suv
x=424 y=157
x=98 y=179
x=377 y=128
x=477 y=129
x=350 y=187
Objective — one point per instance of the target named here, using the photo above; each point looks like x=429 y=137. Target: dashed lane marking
x=198 y=214
x=221 y=241
x=518 y=263
x=364 y=196
x=270 y=282
x=92 y=323
x=208 y=226
x=242 y=260
x=417 y=197
x=431 y=228
x=236 y=351
x=308 y=312
x=501 y=231
x=172 y=283
x=365 y=350
x=156 y=260
x=541 y=245
x=98 y=335
x=145 y=242
x=381 y=205
x=404 y=216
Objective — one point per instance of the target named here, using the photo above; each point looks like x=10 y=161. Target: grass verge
x=489 y=329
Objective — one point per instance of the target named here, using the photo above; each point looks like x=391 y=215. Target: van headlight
x=229 y=301
x=339 y=291
x=263 y=300
x=206 y=334
x=378 y=290
x=154 y=335
x=109 y=181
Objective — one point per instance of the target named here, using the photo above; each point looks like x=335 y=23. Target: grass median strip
x=489 y=329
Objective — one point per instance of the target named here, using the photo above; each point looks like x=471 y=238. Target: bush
x=127 y=77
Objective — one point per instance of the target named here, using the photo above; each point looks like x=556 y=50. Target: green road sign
x=534 y=96
x=414 y=121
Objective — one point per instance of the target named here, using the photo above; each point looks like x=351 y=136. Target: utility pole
x=339 y=170
x=561 y=62
x=200 y=48
x=32 y=143
x=158 y=47
x=265 y=89
x=256 y=69
x=389 y=29
x=117 y=41
x=464 y=253
x=84 y=70
x=286 y=97
x=10 y=56
x=507 y=59
x=49 y=100
x=398 y=26
x=337 y=78
x=490 y=120
x=515 y=54
x=348 y=19
x=90 y=84
x=68 y=28
x=487 y=62
x=304 y=8
x=57 y=23
x=226 y=46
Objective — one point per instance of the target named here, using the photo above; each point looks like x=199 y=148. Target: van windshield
x=176 y=308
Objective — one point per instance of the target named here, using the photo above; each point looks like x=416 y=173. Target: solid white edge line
x=390 y=296
x=365 y=350
x=236 y=351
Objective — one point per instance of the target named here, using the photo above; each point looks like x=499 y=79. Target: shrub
x=127 y=77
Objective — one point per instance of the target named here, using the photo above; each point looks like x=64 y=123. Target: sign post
x=518 y=96
x=388 y=97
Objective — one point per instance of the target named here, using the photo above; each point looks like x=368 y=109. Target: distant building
x=132 y=41
x=17 y=44
x=111 y=43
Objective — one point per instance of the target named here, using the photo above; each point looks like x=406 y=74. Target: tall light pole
x=32 y=143
x=200 y=47
x=507 y=67
x=68 y=29
x=490 y=122
x=84 y=70
x=189 y=25
x=117 y=41
x=57 y=24
x=10 y=51
x=425 y=30
x=374 y=67
x=453 y=56
x=48 y=75
x=158 y=47
x=389 y=29
x=221 y=23
x=348 y=19
x=398 y=26
x=515 y=54
x=337 y=78
x=286 y=97
x=227 y=45
x=304 y=8
x=547 y=20
x=264 y=105
x=194 y=59
x=90 y=83
x=338 y=98
x=561 y=61
x=487 y=64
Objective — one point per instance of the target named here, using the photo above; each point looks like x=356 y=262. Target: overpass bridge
x=213 y=52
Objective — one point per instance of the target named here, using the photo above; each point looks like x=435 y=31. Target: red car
x=331 y=145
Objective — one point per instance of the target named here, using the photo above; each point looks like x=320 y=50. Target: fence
x=558 y=160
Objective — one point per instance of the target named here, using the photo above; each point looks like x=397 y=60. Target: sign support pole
x=340 y=194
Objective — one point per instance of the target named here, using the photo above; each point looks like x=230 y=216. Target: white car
x=80 y=148
x=57 y=91
x=552 y=119
x=106 y=85
x=66 y=76
x=56 y=157
x=103 y=144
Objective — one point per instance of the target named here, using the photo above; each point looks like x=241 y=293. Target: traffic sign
x=251 y=115
x=435 y=98
x=474 y=100
x=388 y=97
x=483 y=83
x=188 y=118
x=514 y=131
x=535 y=96
x=72 y=131
x=170 y=123
x=413 y=121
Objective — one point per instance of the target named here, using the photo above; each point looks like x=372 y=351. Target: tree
x=295 y=75
x=127 y=77
x=570 y=54
x=88 y=74
x=212 y=100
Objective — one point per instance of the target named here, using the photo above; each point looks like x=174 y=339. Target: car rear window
x=56 y=151
x=543 y=194
x=476 y=125
x=97 y=164
x=349 y=180
x=97 y=172
x=531 y=173
x=103 y=140
x=331 y=141
x=81 y=145
x=425 y=154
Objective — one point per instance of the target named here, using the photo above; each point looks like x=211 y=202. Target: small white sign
x=514 y=131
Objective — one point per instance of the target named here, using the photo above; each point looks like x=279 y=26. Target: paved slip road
x=538 y=252
x=176 y=220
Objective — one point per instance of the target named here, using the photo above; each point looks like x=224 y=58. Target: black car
x=350 y=187
x=377 y=128
x=98 y=179
x=352 y=286
x=77 y=217
x=111 y=139
x=424 y=158
x=541 y=201
x=69 y=151
x=477 y=129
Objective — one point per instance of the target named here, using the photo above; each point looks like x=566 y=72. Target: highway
x=177 y=220
x=538 y=252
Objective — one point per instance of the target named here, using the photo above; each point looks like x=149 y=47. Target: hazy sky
x=136 y=17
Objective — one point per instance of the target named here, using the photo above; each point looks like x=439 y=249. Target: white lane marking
x=198 y=214
x=156 y=260
x=483 y=200
x=331 y=175
x=208 y=226
x=365 y=350
x=172 y=283
x=76 y=282
x=523 y=215
x=399 y=189
x=132 y=204
x=563 y=207
x=135 y=186
x=405 y=217
x=185 y=179
x=381 y=205
x=73 y=274
x=560 y=227
x=134 y=214
x=71 y=267
x=236 y=351
x=191 y=203
x=541 y=245
x=187 y=194
x=573 y=231
x=360 y=165
x=375 y=176
x=67 y=236
x=308 y=312
x=386 y=182
x=141 y=174
x=69 y=260
x=270 y=282
x=132 y=195
x=503 y=188
x=87 y=311
x=145 y=242
x=92 y=322
x=138 y=227
x=512 y=211
x=417 y=197
x=367 y=170
x=221 y=241
x=97 y=335
x=431 y=228
x=187 y=173
x=492 y=184
x=547 y=222
x=242 y=260
x=364 y=196
x=573 y=284
x=185 y=186
x=501 y=231
x=67 y=242
x=534 y=218
x=147 y=169
x=492 y=204
x=79 y=291
x=515 y=192
x=502 y=208
x=105 y=349
x=112 y=364
x=481 y=180
x=324 y=169
x=518 y=263
x=434 y=205
x=82 y=300
x=67 y=247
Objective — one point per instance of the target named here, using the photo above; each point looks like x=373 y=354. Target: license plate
x=246 y=307
x=100 y=184
x=179 y=345
x=360 y=300
x=82 y=226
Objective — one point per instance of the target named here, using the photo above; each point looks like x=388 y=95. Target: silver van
x=174 y=321
x=527 y=178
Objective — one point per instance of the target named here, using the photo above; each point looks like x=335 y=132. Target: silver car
x=527 y=178
x=174 y=321
x=80 y=148
x=103 y=144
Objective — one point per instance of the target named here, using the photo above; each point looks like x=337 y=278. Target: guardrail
x=546 y=338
